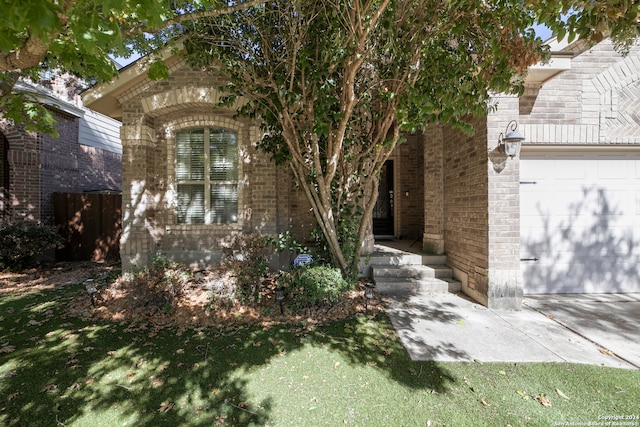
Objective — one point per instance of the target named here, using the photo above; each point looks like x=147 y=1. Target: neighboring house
x=85 y=157
x=192 y=178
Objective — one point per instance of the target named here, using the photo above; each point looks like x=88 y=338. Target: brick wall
x=591 y=103
x=153 y=112
x=434 y=197
x=410 y=187
x=68 y=166
x=23 y=158
x=39 y=165
x=465 y=205
x=4 y=177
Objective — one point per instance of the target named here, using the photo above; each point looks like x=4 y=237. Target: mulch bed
x=119 y=300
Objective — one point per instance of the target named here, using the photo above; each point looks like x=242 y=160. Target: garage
x=579 y=228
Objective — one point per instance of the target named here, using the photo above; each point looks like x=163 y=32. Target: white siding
x=100 y=131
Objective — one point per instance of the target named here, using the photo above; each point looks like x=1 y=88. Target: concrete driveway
x=593 y=329
x=611 y=321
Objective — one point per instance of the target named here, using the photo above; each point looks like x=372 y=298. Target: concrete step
x=441 y=271
x=402 y=272
x=454 y=285
x=394 y=258
x=407 y=286
x=397 y=272
x=434 y=259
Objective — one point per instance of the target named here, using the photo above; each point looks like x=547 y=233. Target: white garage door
x=580 y=222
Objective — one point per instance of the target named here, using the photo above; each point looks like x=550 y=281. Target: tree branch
x=193 y=16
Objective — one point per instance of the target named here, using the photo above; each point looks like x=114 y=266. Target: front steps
x=401 y=273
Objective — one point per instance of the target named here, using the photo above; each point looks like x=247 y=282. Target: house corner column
x=504 y=279
x=136 y=243
x=433 y=237
x=23 y=158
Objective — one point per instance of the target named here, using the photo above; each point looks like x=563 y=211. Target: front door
x=383 y=210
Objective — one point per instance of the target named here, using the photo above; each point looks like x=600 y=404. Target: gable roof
x=103 y=98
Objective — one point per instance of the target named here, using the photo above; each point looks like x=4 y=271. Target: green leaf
x=158 y=70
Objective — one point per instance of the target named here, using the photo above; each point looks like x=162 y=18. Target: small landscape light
x=91 y=290
x=280 y=297
x=368 y=294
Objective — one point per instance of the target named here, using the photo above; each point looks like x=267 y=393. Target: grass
x=59 y=370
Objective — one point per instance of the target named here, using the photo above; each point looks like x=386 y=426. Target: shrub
x=313 y=286
x=245 y=256
x=159 y=286
x=21 y=241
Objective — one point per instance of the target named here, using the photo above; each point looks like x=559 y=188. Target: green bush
x=309 y=286
x=21 y=241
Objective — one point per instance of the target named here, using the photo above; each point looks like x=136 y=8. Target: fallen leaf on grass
x=544 y=401
x=485 y=404
x=7 y=349
x=13 y=395
x=49 y=388
x=561 y=394
x=165 y=406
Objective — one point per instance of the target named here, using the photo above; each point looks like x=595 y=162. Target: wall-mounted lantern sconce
x=510 y=142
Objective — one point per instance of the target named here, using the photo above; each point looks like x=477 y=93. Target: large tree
x=336 y=83
x=81 y=36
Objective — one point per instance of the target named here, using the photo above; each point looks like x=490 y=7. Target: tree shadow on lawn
x=56 y=369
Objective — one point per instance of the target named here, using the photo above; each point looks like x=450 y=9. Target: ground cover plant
x=60 y=369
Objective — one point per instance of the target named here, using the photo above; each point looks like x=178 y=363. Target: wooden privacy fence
x=91 y=224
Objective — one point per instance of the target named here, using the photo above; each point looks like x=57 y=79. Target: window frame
x=207 y=181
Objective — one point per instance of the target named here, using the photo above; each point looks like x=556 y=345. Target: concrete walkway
x=592 y=329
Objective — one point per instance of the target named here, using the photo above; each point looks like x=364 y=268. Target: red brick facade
x=38 y=165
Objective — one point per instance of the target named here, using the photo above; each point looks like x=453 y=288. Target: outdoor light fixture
x=510 y=141
x=280 y=297
x=368 y=294
x=91 y=290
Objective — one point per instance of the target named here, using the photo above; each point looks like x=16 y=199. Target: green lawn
x=59 y=370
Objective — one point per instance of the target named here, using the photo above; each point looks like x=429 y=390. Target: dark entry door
x=383 y=211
